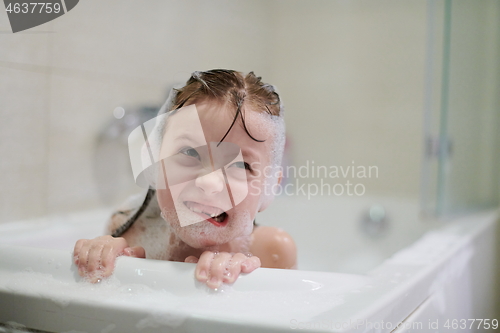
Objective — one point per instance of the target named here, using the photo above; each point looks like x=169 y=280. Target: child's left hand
x=214 y=268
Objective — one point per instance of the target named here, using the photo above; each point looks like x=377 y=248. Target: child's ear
x=280 y=178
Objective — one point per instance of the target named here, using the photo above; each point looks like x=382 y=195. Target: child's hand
x=95 y=258
x=213 y=268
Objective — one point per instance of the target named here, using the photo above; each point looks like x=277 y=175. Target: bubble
x=118 y=112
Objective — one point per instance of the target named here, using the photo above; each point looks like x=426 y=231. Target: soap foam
x=239 y=224
x=274 y=129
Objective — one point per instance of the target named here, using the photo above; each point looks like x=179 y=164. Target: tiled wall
x=358 y=68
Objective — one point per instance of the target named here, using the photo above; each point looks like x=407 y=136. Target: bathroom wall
x=351 y=74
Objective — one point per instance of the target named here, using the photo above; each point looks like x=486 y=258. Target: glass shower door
x=461 y=170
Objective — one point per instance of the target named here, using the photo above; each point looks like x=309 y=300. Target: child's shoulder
x=274 y=247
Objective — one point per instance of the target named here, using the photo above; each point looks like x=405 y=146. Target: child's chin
x=204 y=242
x=207 y=243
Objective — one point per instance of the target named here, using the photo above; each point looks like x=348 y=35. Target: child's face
x=212 y=192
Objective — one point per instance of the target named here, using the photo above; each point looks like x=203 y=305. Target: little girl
x=211 y=164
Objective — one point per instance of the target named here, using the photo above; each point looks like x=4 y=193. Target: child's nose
x=211 y=183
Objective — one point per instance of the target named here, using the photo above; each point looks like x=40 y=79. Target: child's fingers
x=139 y=252
x=136 y=252
x=77 y=249
x=203 y=267
x=113 y=248
x=109 y=254
x=83 y=257
x=191 y=259
x=218 y=268
x=233 y=270
x=94 y=258
x=250 y=264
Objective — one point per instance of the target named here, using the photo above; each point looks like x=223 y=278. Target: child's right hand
x=95 y=258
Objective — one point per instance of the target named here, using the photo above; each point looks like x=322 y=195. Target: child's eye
x=242 y=165
x=188 y=151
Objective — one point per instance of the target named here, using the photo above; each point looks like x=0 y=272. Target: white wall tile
x=351 y=76
x=23 y=143
x=80 y=109
x=25 y=47
x=161 y=39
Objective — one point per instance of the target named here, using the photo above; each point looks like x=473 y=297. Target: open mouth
x=210 y=213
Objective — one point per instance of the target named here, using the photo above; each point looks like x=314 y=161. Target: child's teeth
x=216 y=216
x=202 y=212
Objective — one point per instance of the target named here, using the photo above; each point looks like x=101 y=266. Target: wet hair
x=231 y=88
x=227 y=87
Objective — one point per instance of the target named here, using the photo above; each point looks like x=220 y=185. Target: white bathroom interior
x=411 y=87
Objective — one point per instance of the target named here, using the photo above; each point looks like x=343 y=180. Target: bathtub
x=416 y=276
